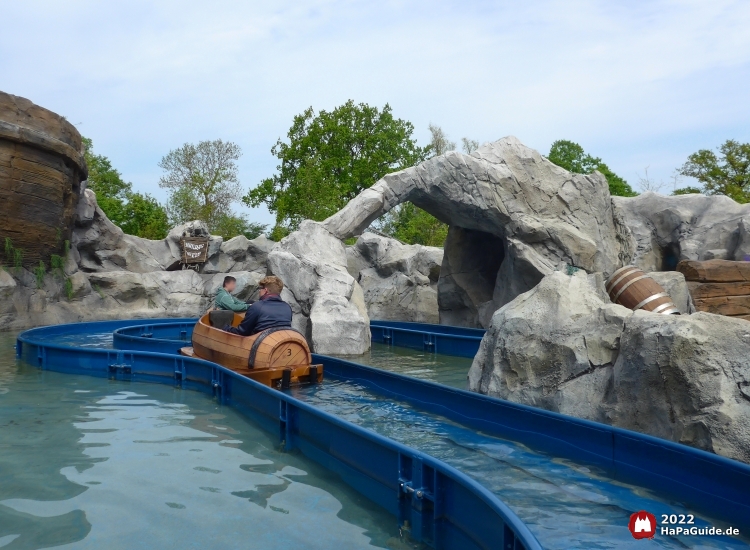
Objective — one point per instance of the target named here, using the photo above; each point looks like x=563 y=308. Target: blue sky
x=640 y=84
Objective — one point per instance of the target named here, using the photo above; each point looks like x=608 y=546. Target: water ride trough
x=435 y=503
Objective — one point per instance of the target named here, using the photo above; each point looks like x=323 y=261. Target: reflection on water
x=565 y=505
x=92 y=340
x=92 y=463
x=443 y=369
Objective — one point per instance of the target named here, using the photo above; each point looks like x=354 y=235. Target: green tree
x=202 y=181
x=329 y=158
x=238 y=224
x=412 y=225
x=572 y=157
x=135 y=213
x=727 y=173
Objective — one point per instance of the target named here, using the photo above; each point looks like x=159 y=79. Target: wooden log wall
x=719 y=286
x=41 y=170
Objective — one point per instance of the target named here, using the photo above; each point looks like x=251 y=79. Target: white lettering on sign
x=195 y=246
x=193 y=254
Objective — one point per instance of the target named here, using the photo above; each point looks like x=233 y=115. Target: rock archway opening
x=468 y=277
x=670 y=256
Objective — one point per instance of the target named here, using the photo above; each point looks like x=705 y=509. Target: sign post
x=194 y=250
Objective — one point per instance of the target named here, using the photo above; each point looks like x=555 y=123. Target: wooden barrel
x=632 y=288
x=41 y=170
x=283 y=348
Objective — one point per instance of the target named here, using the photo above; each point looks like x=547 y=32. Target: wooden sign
x=194 y=250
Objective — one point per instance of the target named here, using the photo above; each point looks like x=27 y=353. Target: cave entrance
x=468 y=276
x=670 y=256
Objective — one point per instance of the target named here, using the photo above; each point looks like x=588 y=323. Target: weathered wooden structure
x=719 y=286
x=41 y=170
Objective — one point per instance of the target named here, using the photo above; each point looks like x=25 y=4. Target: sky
x=641 y=84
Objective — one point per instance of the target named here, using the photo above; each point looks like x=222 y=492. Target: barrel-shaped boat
x=277 y=357
x=629 y=286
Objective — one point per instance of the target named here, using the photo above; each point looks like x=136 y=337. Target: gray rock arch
x=514 y=217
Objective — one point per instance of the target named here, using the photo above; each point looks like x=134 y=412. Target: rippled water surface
x=88 y=463
x=565 y=505
x=443 y=369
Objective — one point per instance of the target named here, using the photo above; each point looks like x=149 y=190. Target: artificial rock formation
x=536 y=216
x=399 y=281
x=686 y=227
x=327 y=302
x=41 y=169
x=564 y=347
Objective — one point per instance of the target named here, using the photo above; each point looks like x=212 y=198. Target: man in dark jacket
x=268 y=312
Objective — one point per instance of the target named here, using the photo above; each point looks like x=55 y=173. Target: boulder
x=674 y=284
x=162 y=293
x=239 y=254
x=327 y=301
x=538 y=216
x=8 y=288
x=399 y=281
x=742 y=252
x=668 y=229
x=564 y=347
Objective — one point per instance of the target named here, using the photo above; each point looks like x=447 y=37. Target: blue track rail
x=706 y=482
x=436 y=503
x=459 y=341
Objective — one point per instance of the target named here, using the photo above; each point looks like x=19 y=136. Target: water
x=565 y=505
x=443 y=369
x=90 y=463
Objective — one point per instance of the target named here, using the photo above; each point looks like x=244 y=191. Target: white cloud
x=637 y=83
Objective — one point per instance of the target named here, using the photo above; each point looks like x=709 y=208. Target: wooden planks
x=715 y=290
x=715 y=271
x=719 y=286
x=724 y=305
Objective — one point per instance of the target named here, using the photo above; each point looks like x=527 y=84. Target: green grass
x=68 y=288
x=39 y=272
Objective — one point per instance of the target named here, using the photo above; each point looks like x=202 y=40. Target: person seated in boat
x=224 y=298
x=268 y=312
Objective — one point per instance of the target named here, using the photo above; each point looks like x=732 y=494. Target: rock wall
x=686 y=227
x=564 y=347
x=41 y=169
x=543 y=217
x=399 y=280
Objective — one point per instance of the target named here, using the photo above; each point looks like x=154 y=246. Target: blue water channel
x=90 y=463
x=566 y=505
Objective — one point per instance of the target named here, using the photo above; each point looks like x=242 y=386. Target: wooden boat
x=277 y=357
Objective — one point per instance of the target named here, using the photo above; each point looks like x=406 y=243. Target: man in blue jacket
x=268 y=312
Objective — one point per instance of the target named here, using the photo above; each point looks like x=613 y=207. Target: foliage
x=202 y=181
x=439 y=142
x=687 y=191
x=572 y=157
x=229 y=226
x=469 y=145
x=146 y=217
x=135 y=213
x=413 y=225
x=329 y=158
x=68 y=288
x=727 y=173
x=56 y=262
x=39 y=272
x=13 y=254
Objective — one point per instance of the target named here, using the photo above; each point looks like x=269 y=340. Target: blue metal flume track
x=439 y=505
x=705 y=482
